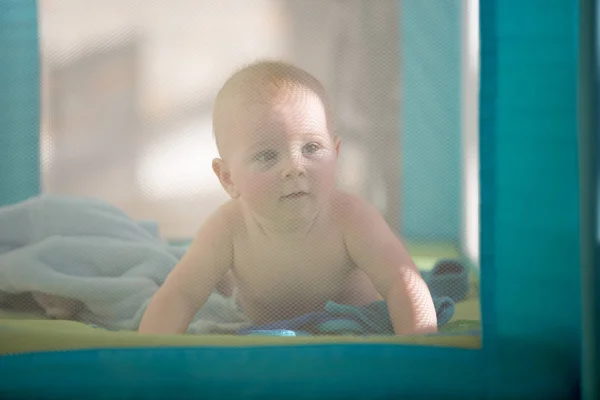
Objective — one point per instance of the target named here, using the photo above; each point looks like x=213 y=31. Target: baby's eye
x=311 y=148
x=266 y=156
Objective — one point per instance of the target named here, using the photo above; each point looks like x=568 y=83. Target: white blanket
x=87 y=250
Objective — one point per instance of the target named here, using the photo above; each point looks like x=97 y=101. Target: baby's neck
x=295 y=229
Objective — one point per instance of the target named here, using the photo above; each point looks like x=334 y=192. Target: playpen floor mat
x=21 y=333
x=26 y=333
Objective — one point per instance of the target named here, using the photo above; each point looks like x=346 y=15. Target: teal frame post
x=588 y=152
x=19 y=101
x=531 y=278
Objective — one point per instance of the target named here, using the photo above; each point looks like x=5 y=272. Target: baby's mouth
x=295 y=195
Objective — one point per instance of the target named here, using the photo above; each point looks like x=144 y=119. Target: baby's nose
x=293 y=168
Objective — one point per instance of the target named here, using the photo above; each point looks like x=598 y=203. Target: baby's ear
x=222 y=172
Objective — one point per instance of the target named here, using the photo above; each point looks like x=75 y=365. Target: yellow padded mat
x=23 y=333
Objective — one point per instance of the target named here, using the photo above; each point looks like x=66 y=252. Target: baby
x=288 y=241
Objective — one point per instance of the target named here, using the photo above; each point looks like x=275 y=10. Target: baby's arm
x=193 y=279
x=381 y=255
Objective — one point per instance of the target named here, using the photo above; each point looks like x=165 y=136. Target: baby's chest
x=307 y=269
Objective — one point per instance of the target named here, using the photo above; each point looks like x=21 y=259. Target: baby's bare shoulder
x=222 y=221
x=348 y=208
x=231 y=211
x=357 y=218
x=229 y=214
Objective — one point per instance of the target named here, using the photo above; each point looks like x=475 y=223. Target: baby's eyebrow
x=315 y=134
x=266 y=143
x=260 y=145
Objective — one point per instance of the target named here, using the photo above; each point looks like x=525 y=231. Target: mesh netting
x=344 y=195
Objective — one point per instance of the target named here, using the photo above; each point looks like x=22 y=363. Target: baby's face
x=283 y=156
